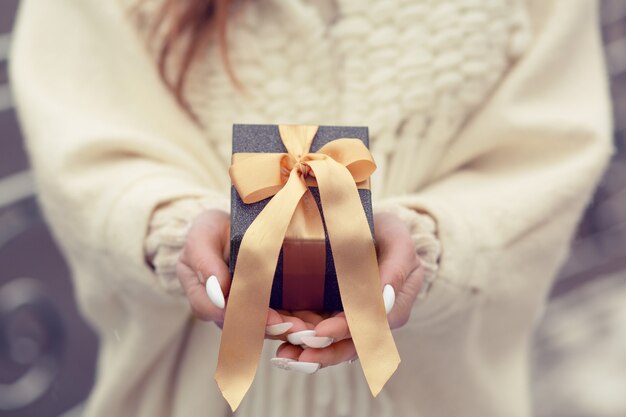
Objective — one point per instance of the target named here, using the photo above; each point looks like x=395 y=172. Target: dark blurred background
x=47 y=353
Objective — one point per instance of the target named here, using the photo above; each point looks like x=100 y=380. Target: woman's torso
x=413 y=72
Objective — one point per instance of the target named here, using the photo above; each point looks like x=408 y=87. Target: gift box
x=301 y=233
x=305 y=276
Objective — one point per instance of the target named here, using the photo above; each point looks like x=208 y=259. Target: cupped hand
x=203 y=272
x=331 y=343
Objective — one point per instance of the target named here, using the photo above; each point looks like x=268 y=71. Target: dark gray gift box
x=266 y=138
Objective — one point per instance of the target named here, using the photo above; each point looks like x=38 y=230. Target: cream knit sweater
x=491 y=118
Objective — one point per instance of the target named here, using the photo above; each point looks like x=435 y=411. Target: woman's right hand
x=204 y=256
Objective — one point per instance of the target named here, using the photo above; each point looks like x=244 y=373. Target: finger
x=334 y=354
x=213 y=275
x=200 y=274
x=328 y=331
x=298 y=324
x=214 y=291
x=287 y=350
x=396 y=251
x=285 y=354
x=204 y=254
x=288 y=313
x=308 y=317
x=397 y=261
x=213 y=226
x=299 y=329
x=213 y=272
x=389 y=297
x=276 y=327
x=401 y=313
x=273 y=317
x=201 y=306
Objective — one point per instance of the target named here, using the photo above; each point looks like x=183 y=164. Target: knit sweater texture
x=490 y=126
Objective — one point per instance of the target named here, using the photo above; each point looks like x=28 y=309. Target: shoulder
x=57 y=30
x=72 y=17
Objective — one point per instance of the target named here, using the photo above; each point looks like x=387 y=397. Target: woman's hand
x=202 y=270
x=399 y=267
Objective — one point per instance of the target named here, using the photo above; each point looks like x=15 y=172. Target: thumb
x=395 y=259
x=205 y=254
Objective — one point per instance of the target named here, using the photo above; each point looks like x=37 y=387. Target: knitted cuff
x=167 y=235
x=423 y=231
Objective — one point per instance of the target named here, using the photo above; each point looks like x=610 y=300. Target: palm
x=207 y=251
x=398 y=264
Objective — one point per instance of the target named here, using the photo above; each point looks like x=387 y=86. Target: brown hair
x=188 y=24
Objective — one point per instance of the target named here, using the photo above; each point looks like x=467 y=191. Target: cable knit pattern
x=413 y=71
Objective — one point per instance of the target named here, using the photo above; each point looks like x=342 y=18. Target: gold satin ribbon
x=337 y=167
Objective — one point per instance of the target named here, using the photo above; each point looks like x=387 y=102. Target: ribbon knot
x=336 y=169
x=302 y=168
x=299 y=164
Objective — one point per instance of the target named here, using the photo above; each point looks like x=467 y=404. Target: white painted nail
x=276 y=329
x=214 y=291
x=281 y=363
x=304 y=367
x=389 y=297
x=317 y=342
x=296 y=338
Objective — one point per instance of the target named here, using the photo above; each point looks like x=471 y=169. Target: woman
x=489 y=120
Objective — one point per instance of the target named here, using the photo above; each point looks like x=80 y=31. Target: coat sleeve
x=512 y=186
x=108 y=143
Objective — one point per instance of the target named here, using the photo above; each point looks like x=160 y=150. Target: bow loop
x=257 y=176
x=352 y=154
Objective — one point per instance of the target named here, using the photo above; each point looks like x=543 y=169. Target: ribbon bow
x=337 y=167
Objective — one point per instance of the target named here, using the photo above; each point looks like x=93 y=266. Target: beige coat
x=491 y=117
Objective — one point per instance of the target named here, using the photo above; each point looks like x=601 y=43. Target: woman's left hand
x=399 y=267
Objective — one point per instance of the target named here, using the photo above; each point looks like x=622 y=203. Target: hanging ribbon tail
x=304 y=258
x=357 y=271
x=246 y=310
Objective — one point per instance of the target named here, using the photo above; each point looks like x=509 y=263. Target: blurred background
x=47 y=353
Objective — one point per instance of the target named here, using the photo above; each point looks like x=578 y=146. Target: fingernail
x=389 y=297
x=296 y=338
x=214 y=291
x=304 y=367
x=281 y=363
x=317 y=342
x=276 y=329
